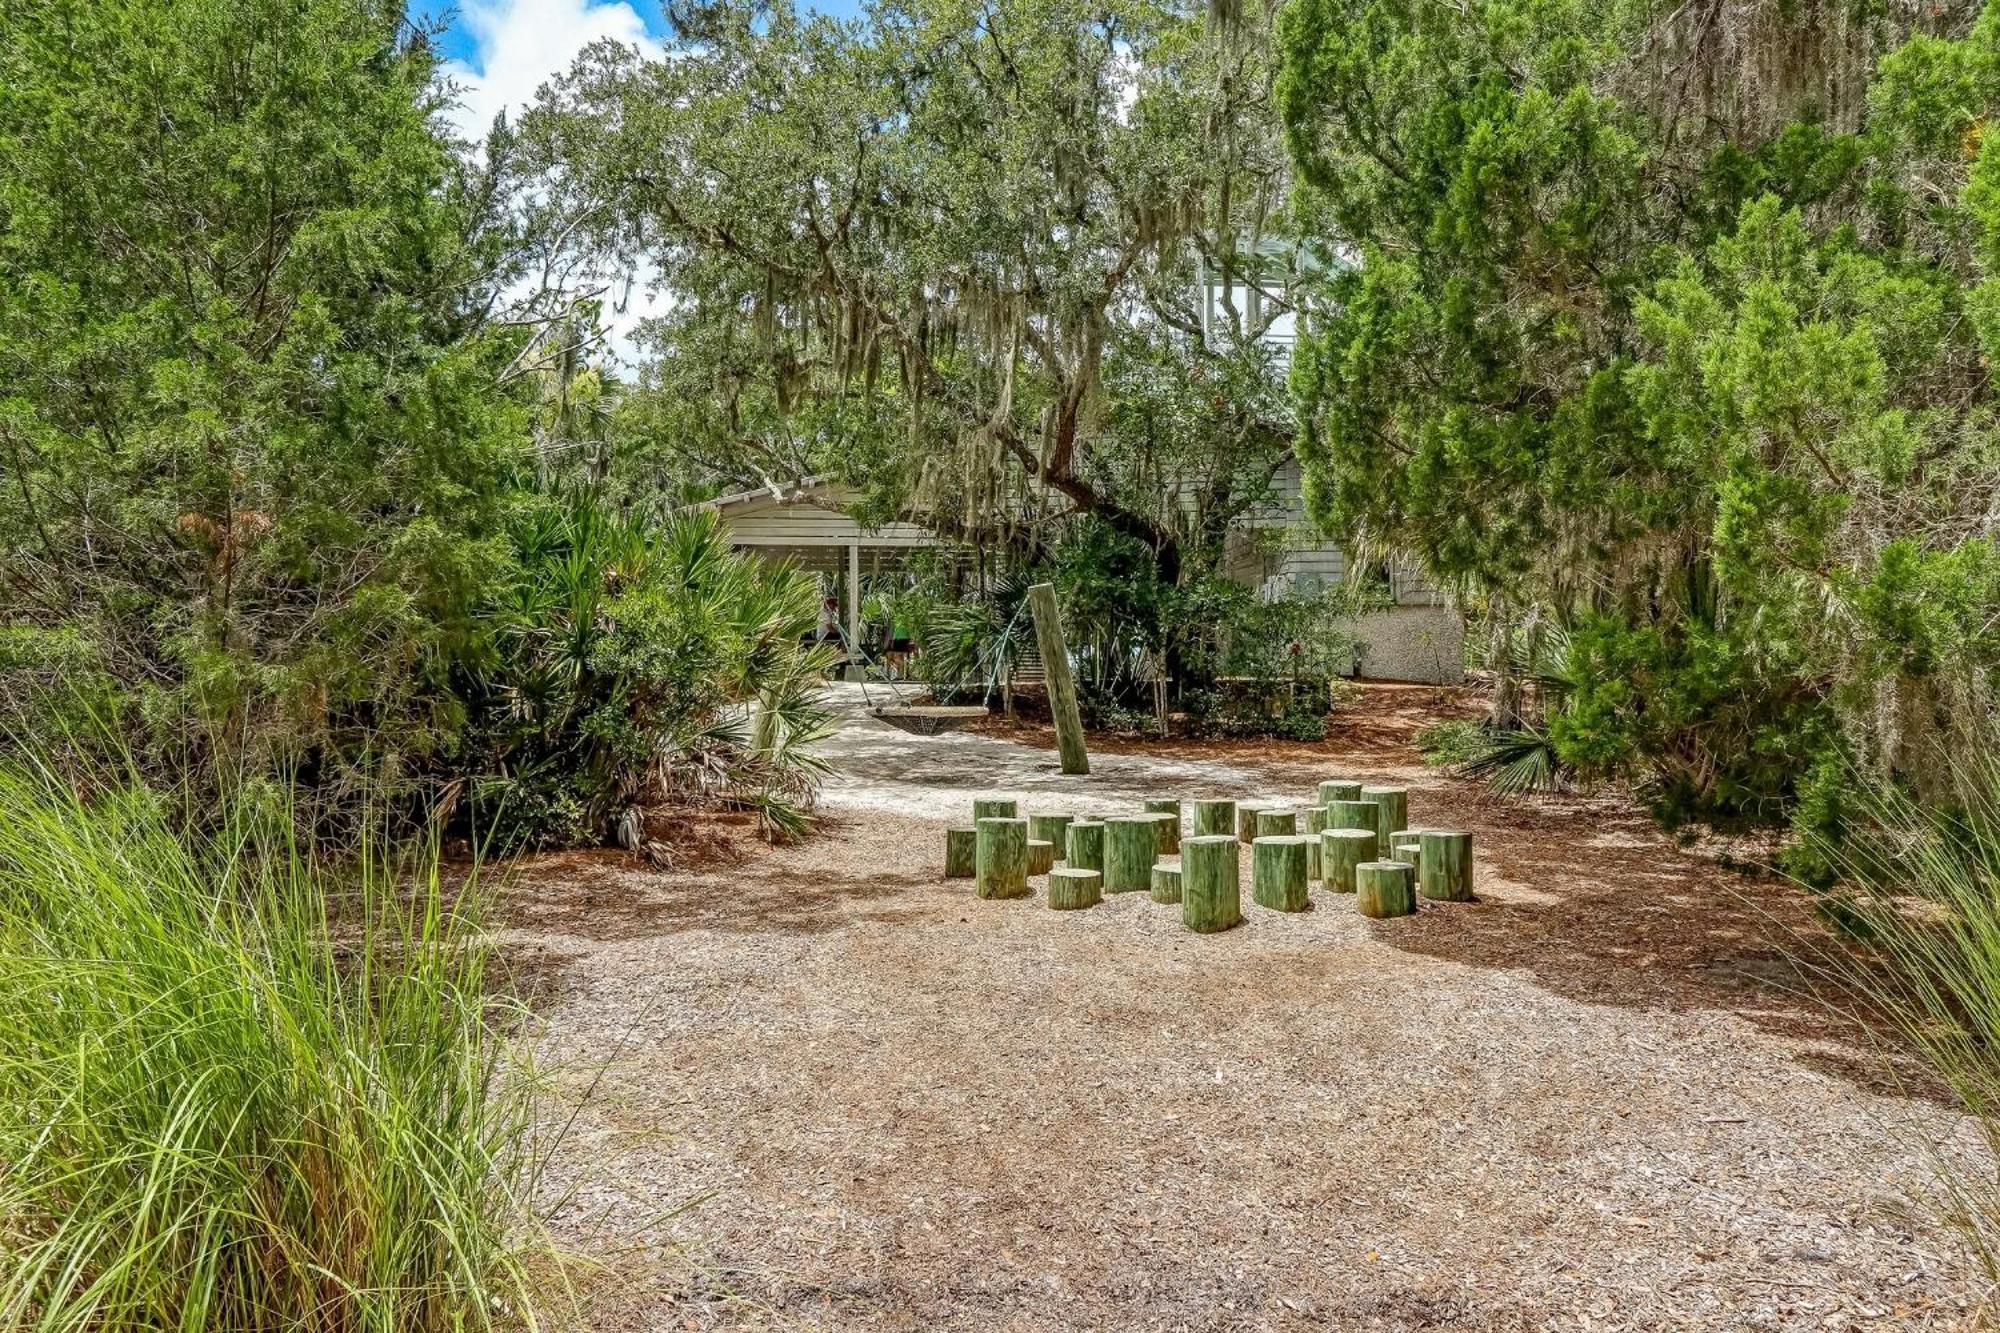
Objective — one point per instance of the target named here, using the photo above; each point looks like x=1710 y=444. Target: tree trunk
x=1338 y=789
x=1083 y=844
x=1278 y=873
x=1171 y=844
x=1070 y=749
x=960 y=852
x=1071 y=888
x=1041 y=856
x=1446 y=859
x=1340 y=851
x=1052 y=829
x=1167 y=883
x=1212 y=817
x=1315 y=824
x=1131 y=846
x=1000 y=868
x=1211 y=899
x=1246 y=822
x=1382 y=888
x=1392 y=810
x=1277 y=823
x=1354 y=814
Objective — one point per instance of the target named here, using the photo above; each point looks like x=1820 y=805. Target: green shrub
x=637 y=660
x=1443 y=744
x=220 y=1108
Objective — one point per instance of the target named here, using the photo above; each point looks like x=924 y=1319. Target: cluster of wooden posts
x=1356 y=840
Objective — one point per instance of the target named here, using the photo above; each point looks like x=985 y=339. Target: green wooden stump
x=1446 y=860
x=1083 y=844
x=1277 y=823
x=1314 y=824
x=1340 y=851
x=1278 y=872
x=1000 y=859
x=1166 y=832
x=1167 y=883
x=1051 y=829
x=994 y=807
x=1411 y=855
x=1354 y=814
x=1212 y=817
x=1338 y=789
x=1211 y=898
x=1070 y=888
x=1041 y=856
x=1382 y=888
x=960 y=850
x=1246 y=821
x=1131 y=845
x=1392 y=806
x=1171 y=843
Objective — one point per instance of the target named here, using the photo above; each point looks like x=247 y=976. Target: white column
x=854 y=602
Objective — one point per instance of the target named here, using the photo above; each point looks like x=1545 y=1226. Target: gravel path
x=831 y=1090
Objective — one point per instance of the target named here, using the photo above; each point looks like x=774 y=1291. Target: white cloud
x=518 y=45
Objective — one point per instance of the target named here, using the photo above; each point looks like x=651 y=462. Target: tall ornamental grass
x=1921 y=890
x=241 y=1090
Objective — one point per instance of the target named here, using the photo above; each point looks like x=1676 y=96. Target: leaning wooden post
x=1070 y=888
x=1083 y=845
x=1211 y=899
x=1062 y=685
x=960 y=852
x=1166 y=883
x=1214 y=816
x=1342 y=849
x=1392 y=805
x=1171 y=844
x=1000 y=868
x=1278 y=873
x=1130 y=848
x=1382 y=888
x=1446 y=860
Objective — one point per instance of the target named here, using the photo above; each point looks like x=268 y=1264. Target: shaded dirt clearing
x=1580 y=1103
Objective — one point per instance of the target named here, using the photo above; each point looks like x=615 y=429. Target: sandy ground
x=828 y=1089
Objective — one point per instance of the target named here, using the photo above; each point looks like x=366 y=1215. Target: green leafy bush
x=636 y=660
x=241 y=1090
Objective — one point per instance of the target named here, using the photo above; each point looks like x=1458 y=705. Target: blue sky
x=502 y=50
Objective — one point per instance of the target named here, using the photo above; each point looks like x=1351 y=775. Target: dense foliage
x=627 y=652
x=239 y=1091
x=257 y=447
x=954 y=255
x=295 y=484
x=1674 y=327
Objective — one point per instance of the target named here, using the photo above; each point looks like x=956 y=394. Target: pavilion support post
x=854 y=671
x=1062 y=686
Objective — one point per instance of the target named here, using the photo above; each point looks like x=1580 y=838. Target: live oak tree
x=919 y=250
